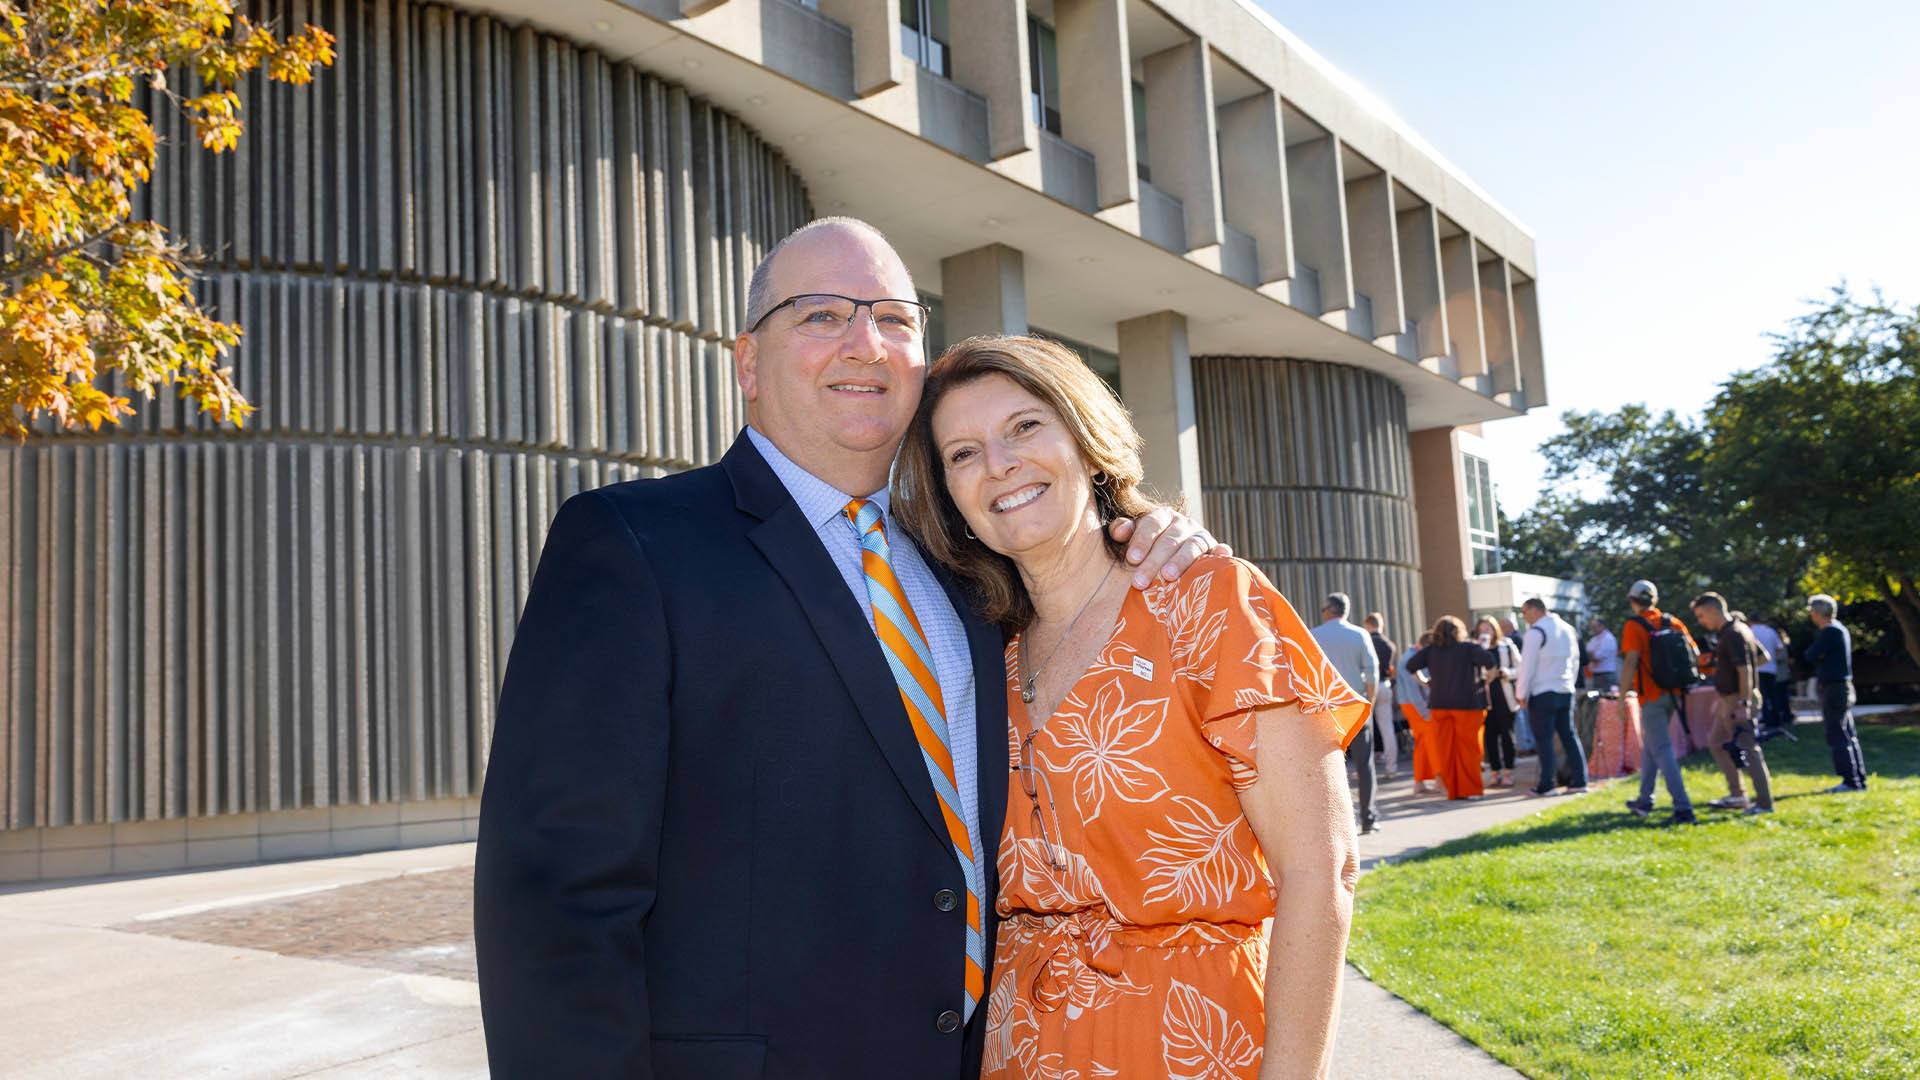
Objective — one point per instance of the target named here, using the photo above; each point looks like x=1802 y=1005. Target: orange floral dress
x=1137 y=949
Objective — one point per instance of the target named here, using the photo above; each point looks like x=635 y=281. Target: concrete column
x=1318 y=199
x=1181 y=148
x=1376 y=252
x=878 y=63
x=1526 y=324
x=1460 y=282
x=1496 y=320
x=1156 y=380
x=985 y=292
x=1253 y=180
x=1096 y=93
x=1419 y=234
x=1440 y=510
x=989 y=50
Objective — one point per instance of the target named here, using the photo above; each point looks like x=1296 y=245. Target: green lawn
x=1582 y=942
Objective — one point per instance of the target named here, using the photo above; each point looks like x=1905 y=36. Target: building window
x=1140 y=132
x=1483 y=522
x=923 y=34
x=935 y=340
x=1043 y=71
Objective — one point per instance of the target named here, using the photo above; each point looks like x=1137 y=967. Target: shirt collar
x=819 y=501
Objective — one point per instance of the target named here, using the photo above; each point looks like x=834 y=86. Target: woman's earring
x=1100 y=478
x=969 y=531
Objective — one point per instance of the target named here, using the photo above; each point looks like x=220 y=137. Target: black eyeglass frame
x=926 y=313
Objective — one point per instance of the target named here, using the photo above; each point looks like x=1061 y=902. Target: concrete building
x=498 y=254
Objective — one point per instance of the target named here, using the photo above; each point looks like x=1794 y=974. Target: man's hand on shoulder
x=1163 y=543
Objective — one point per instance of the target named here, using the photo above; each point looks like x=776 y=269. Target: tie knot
x=865 y=516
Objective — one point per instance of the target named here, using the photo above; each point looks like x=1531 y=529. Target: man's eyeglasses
x=828 y=315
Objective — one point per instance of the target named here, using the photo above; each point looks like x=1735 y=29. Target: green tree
x=84 y=288
x=1823 y=445
x=1628 y=496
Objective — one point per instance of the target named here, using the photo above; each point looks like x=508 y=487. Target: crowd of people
x=1453 y=701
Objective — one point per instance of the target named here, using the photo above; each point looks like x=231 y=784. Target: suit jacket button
x=948 y=1023
x=946 y=900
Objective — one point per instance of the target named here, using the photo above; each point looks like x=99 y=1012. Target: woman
x=1456 y=702
x=1176 y=749
x=1500 y=706
x=1410 y=693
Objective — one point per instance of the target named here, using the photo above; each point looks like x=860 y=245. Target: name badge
x=1143 y=668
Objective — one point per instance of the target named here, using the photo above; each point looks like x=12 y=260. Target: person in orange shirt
x=1178 y=763
x=1657 y=703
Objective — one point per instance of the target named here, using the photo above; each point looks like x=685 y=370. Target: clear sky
x=1691 y=172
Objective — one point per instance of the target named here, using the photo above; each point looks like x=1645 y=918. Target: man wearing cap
x=1656 y=704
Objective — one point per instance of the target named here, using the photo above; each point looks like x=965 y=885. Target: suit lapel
x=790 y=545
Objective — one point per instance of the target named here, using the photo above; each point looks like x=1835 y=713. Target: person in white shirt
x=1545 y=683
x=1603 y=657
x=1776 y=682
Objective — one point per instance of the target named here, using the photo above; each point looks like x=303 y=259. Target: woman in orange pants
x=1456 y=703
x=1410 y=692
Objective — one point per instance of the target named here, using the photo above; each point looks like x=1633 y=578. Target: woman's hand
x=1164 y=543
x=1301 y=814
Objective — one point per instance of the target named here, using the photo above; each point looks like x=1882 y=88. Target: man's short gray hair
x=760 y=298
x=1826 y=606
x=1338 y=604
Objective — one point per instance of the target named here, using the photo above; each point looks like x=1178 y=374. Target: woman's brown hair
x=1449 y=630
x=1101 y=427
x=1490 y=623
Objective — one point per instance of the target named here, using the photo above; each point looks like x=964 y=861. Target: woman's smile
x=1007 y=504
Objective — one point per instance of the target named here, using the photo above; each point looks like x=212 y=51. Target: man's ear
x=746 y=365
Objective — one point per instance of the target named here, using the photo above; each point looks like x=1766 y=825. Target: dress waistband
x=1077 y=957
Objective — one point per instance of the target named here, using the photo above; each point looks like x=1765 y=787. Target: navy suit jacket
x=709 y=847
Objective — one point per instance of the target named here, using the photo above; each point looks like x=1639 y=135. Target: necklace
x=1028 y=674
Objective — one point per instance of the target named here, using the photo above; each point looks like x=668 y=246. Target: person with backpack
x=1658 y=663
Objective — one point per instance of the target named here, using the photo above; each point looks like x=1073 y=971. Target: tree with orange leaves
x=84 y=288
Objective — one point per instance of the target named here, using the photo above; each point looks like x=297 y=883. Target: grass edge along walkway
x=1582 y=942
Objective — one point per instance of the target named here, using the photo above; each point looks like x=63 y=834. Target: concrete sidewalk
x=1381 y=1036
x=363 y=966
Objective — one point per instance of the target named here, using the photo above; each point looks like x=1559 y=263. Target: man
x=1512 y=633
x=1776 y=677
x=1734 y=742
x=1385 y=716
x=1831 y=657
x=1657 y=702
x=1603 y=657
x=1350 y=651
x=712 y=844
x=1547 y=663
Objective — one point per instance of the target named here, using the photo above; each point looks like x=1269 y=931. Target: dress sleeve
x=1238 y=647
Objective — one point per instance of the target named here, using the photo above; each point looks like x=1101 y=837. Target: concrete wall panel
x=1306 y=472
x=479 y=269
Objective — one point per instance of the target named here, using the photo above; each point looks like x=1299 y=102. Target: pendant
x=1026 y=693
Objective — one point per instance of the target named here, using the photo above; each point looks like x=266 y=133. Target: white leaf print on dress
x=1199 y=1041
x=999 y=1048
x=1026 y=870
x=1197 y=864
x=1192 y=632
x=1105 y=743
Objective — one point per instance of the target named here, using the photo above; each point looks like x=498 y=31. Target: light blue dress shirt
x=824 y=507
x=1350 y=650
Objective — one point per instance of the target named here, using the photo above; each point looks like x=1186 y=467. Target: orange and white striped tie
x=905 y=645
